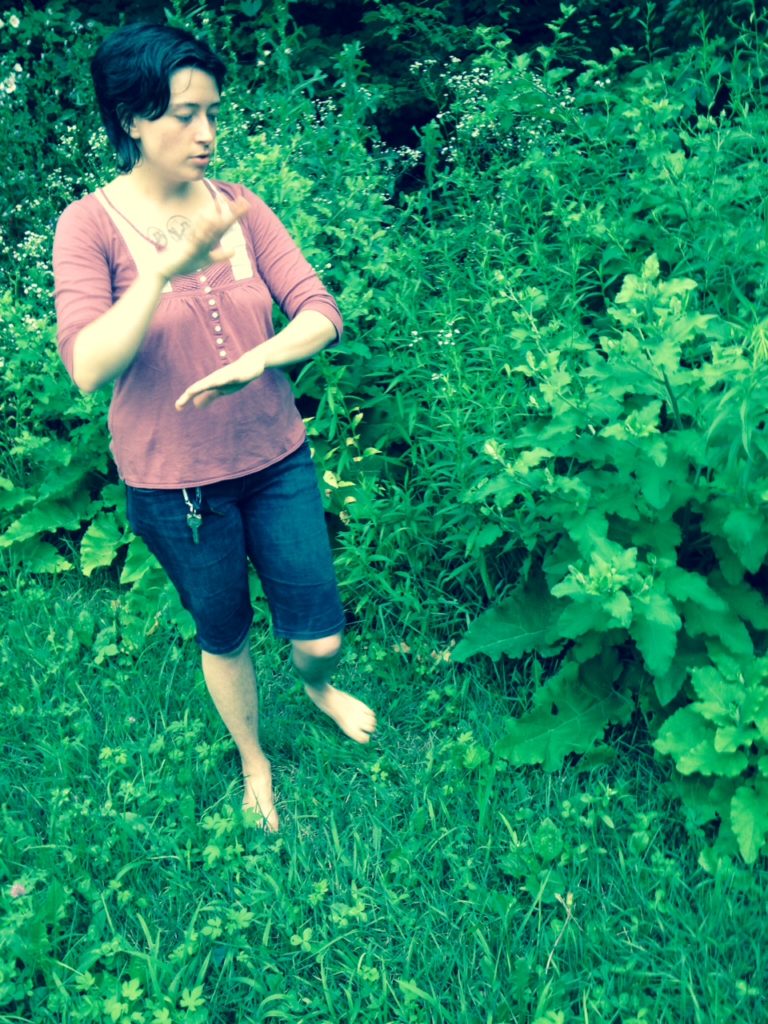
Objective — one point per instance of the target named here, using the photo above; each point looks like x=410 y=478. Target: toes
x=364 y=731
x=255 y=799
x=353 y=717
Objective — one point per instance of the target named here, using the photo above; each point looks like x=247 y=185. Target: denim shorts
x=274 y=518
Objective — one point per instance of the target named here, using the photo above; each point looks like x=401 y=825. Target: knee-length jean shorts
x=275 y=519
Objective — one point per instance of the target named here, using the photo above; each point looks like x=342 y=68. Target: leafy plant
x=636 y=485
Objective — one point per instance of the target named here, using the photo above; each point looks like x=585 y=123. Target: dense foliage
x=543 y=439
x=551 y=397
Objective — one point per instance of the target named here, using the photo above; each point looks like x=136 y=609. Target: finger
x=219 y=255
x=239 y=207
x=234 y=211
x=193 y=390
x=203 y=391
x=211 y=229
x=201 y=401
x=182 y=400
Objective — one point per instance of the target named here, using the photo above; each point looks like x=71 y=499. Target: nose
x=205 y=129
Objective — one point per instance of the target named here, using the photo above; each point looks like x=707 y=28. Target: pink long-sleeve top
x=202 y=321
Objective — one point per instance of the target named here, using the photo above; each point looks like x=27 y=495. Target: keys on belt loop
x=194 y=515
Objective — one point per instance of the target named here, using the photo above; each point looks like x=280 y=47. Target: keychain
x=194 y=516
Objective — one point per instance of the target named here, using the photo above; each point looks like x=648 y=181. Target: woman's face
x=178 y=146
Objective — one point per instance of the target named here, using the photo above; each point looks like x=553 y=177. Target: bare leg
x=315 y=661
x=231 y=683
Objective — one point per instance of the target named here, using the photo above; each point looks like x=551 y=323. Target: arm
x=314 y=317
x=308 y=333
x=109 y=344
x=106 y=347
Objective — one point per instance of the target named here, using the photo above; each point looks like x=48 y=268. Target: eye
x=184 y=118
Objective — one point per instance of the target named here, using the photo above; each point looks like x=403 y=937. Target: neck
x=157 y=190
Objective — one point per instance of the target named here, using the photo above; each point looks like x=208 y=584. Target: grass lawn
x=416 y=879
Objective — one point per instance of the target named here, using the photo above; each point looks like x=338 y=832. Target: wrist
x=155 y=277
x=257 y=362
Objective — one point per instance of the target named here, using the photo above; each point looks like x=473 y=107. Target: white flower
x=13 y=21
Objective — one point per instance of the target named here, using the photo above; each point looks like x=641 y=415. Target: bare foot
x=350 y=714
x=258 y=796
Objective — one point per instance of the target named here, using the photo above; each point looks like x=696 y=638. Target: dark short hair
x=131 y=75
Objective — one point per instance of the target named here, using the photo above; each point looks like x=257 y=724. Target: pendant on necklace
x=158 y=238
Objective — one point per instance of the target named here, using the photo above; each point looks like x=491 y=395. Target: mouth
x=201 y=158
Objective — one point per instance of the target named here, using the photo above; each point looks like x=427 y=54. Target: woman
x=165 y=283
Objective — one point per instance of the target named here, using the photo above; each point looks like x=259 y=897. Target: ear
x=127 y=121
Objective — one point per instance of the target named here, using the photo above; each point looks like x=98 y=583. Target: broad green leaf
x=679 y=286
x=484 y=537
x=528 y=460
x=692 y=586
x=747 y=534
x=655 y=485
x=520 y=624
x=41 y=556
x=690 y=741
x=719 y=701
x=756 y=711
x=586 y=530
x=690 y=654
x=629 y=288
x=138 y=562
x=47 y=517
x=729 y=564
x=668 y=685
x=113 y=496
x=654 y=629
x=706 y=799
x=575 y=716
x=66 y=480
x=578 y=618
x=503 y=487
x=680 y=330
x=651 y=268
x=749 y=820
x=730 y=737
x=12 y=496
x=725 y=626
x=744 y=601
x=663 y=536
x=100 y=543
x=619 y=609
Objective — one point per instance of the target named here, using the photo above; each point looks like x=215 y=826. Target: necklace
x=177 y=225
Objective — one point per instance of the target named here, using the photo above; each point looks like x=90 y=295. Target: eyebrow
x=181 y=105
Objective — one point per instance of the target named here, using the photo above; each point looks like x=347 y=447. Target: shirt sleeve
x=293 y=283
x=82 y=276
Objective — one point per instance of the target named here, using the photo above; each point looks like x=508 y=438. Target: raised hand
x=201 y=244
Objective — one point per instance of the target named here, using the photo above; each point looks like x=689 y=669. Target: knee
x=325 y=649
